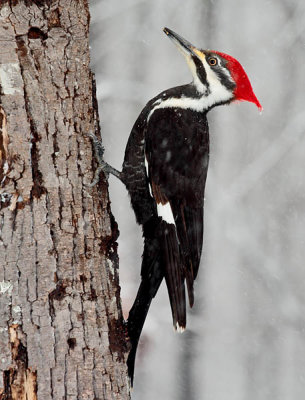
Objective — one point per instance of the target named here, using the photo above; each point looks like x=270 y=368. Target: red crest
x=243 y=90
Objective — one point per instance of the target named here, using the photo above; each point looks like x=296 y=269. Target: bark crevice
x=60 y=268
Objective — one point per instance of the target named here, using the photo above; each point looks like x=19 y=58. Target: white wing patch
x=146 y=166
x=147 y=174
x=165 y=212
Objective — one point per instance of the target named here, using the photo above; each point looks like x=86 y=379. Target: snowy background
x=246 y=333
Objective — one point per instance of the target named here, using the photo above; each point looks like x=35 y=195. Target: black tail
x=161 y=258
x=152 y=274
x=189 y=221
x=174 y=274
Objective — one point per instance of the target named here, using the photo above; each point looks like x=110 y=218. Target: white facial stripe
x=217 y=92
x=225 y=70
x=165 y=212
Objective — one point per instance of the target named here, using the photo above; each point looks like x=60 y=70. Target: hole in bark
x=93 y=295
x=58 y=293
x=22 y=355
x=71 y=343
x=83 y=278
x=36 y=33
x=6 y=383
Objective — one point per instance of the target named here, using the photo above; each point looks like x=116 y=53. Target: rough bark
x=61 y=325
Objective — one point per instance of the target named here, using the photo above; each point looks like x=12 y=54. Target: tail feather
x=194 y=222
x=136 y=319
x=189 y=221
x=174 y=274
x=152 y=274
x=166 y=255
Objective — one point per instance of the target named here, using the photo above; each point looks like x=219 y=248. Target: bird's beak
x=186 y=48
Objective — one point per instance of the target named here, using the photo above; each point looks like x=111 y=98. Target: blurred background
x=246 y=333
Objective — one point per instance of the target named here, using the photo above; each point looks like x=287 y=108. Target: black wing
x=134 y=173
x=177 y=151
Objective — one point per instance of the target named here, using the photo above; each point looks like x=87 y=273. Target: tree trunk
x=61 y=325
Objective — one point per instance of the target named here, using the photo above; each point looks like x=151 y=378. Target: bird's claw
x=102 y=165
x=98 y=147
x=99 y=155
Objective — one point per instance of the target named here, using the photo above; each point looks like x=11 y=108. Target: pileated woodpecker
x=165 y=169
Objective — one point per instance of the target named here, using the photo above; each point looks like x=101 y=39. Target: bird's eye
x=213 y=61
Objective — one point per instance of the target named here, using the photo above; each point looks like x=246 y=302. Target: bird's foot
x=102 y=165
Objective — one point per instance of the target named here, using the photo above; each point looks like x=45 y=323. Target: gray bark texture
x=61 y=325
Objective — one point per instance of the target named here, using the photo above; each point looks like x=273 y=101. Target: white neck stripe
x=200 y=104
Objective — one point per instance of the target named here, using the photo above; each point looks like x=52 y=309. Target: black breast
x=177 y=146
x=176 y=141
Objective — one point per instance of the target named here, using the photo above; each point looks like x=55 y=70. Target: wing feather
x=174 y=274
x=177 y=152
